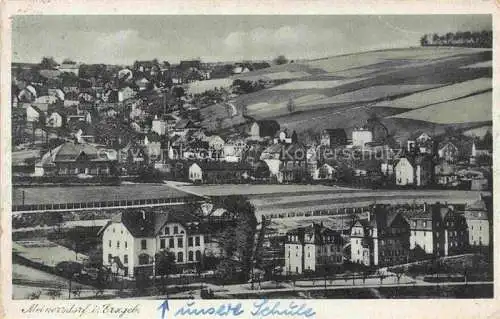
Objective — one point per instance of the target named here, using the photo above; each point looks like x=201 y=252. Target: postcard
x=169 y=160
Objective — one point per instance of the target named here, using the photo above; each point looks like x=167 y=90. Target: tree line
x=483 y=39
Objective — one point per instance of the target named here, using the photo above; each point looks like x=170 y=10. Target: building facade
x=137 y=237
x=382 y=239
x=313 y=248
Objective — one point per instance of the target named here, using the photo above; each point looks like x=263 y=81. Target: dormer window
x=167 y=230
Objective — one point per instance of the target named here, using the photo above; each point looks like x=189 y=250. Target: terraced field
x=343 y=91
x=476 y=108
x=441 y=94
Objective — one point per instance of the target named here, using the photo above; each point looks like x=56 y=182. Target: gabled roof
x=339 y=132
x=268 y=127
x=147 y=224
x=222 y=166
x=319 y=231
x=70 y=152
x=183 y=124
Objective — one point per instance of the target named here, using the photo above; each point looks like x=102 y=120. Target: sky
x=122 y=39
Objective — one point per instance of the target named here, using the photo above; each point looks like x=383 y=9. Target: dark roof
x=319 y=231
x=142 y=223
x=70 y=152
x=383 y=217
x=183 y=124
x=268 y=127
x=340 y=132
x=287 y=152
x=222 y=166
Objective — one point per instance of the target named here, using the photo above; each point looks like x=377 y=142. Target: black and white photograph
x=236 y=157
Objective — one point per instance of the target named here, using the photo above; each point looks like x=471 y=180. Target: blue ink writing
x=264 y=308
x=227 y=309
x=164 y=308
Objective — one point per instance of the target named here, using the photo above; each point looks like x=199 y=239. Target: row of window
x=171 y=243
x=425 y=234
x=118 y=243
x=65 y=170
x=390 y=253
x=125 y=258
x=175 y=229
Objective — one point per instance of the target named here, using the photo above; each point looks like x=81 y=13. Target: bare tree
x=290 y=106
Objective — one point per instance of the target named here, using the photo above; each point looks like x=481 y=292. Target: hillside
x=342 y=91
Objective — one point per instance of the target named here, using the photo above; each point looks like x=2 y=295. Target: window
x=437 y=234
x=198 y=255
x=110 y=257
x=125 y=259
x=125 y=244
x=113 y=229
x=190 y=241
x=180 y=257
x=424 y=224
x=197 y=241
x=171 y=243
x=414 y=223
x=143 y=259
x=143 y=244
x=167 y=230
x=190 y=256
x=110 y=244
x=179 y=242
x=176 y=230
x=118 y=244
x=425 y=233
x=162 y=243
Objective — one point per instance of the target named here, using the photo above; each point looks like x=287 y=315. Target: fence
x=101 y=204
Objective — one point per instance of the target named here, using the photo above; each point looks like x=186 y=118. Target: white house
x=54 y=120
x=136 y=237
x=405 y=174
x=215 y=142
x=233 y=152
x=70 y=68
x=417 y=171
x=159 y=126
x=195 y=173
x=478 y=224
x=125 y=93
x=449 y=152
x=142 y=83
x=32 y=113
x=361 y=136
x=325 y=172
x=282 y=137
